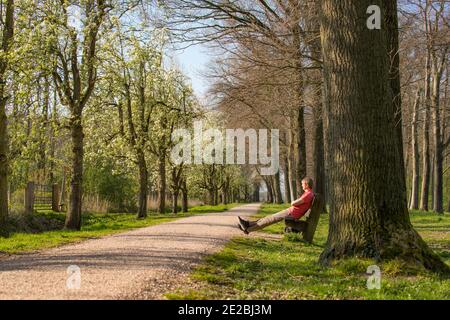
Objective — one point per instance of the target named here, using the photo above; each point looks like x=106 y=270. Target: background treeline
x=89 y=100
x=269 y=75
x=90 y=97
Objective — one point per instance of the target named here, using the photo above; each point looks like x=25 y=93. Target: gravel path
x=140 y=264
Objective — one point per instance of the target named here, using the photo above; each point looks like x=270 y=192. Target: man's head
x=307 y=183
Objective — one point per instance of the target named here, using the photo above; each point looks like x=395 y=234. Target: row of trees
x=343 y=99
x=425 y=77
x=90 y=98
x=260 y=63
x=336 y=89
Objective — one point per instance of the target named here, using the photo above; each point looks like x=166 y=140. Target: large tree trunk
x=414 y=203
x=370 y=217
x=73 y=217
x=319 y=156
x=7 y=36
x=392 y=35
x=319 y=150
x=143 y=185
x=425 y=187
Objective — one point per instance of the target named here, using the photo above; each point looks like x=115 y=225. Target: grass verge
x=256 y=268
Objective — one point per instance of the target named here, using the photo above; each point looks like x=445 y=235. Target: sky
x=192 y=61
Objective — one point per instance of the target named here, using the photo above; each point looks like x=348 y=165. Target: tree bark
x=319 y=150
x=432 y=181
x=301 y=149
x=370 y=218
x=184 y=194
x=175 y=201
x=278 y=196
x=256 y=193
x=216 y=197
x=319 y=156
x=300 y=143
x=143 y=185
x=211 y=197
x=7 y=36
x=287 y=189
x=426 y=140
x=73 y=217
x=162 y=183
x=292 y=164
x=52 y=134
x=272 y=187
x=224 y=197
x=414 y=203
x=391 y=21
x=438 y=205
x=75 y=85
x=269 y=191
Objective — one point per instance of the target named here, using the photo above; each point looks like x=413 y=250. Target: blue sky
x=193 y=61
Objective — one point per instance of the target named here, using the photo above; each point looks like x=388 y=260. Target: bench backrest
x=313 y=218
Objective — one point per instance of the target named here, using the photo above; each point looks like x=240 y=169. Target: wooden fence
x=43 y=197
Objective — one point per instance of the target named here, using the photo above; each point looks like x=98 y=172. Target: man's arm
x=297 y=202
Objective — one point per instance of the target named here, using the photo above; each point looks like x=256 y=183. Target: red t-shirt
x=299 y=210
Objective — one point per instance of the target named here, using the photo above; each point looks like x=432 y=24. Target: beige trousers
x=267 y=221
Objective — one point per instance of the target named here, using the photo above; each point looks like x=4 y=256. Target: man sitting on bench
x=297 y=210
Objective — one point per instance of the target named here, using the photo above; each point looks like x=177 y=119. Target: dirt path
x=140 y=264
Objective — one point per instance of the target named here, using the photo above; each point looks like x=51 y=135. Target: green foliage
x=117 y=188
x=256 y=268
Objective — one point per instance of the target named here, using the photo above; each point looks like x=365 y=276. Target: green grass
x=207 y=208
x=93 y=226
x=255 y=268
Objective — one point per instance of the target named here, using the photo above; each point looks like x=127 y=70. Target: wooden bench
x=308 y=227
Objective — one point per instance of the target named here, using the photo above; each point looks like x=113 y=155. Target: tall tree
x=7 y=37
x=414 y=203
x=370 y=217
x=438 y=157
x=75 y=76
x=425 y=188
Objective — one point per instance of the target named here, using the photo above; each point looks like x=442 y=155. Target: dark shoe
x=243 y=225
x=242 y=228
